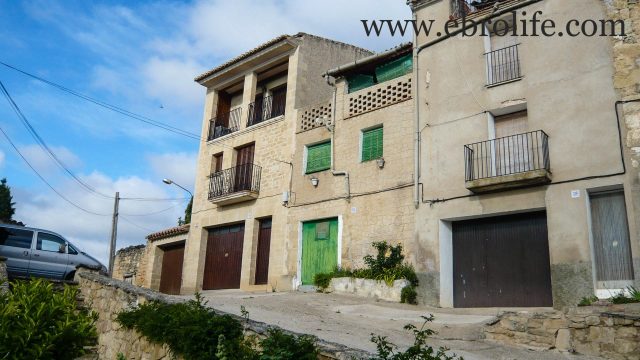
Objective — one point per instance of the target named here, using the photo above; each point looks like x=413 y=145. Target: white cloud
x=171 y=82
x=2 y=157
x=179 y=167
x=42 y=161
x=90 y=232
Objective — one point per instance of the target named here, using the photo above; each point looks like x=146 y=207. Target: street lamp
x=169 y=182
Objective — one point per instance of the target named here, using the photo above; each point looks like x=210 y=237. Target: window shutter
x=372 y=144
x=318 y=157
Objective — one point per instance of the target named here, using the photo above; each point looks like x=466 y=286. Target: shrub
x=190 y=329
x=623 y=298
x=586 y=301
x=388 y=257
x=280 y=346
x=196 y=332
x=37 y=322
x=409 y=295
x=419 y=350
x=322 y=280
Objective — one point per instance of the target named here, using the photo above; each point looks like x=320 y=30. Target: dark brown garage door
x=223 y=262
x=502 y=262
x=262 y=258
x=171 y=274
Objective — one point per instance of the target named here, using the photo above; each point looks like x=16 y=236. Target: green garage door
x=319 y=248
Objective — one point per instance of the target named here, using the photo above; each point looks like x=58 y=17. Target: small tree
x=6 y=205
x=187 y=213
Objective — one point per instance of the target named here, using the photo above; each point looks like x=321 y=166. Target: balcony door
x=244 y=167
x=511 y=146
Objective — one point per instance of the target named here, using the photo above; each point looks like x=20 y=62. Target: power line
x=136 y=225
x=128 y=113
x=45 y=181
x=156 y=212
x=32 y=131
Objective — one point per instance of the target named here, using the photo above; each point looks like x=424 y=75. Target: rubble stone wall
x=108 y=297
x=612 y=332
x=130 y=262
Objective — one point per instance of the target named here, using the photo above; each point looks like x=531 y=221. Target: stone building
x=528 y=179
x=239 y=234
x=130 y=264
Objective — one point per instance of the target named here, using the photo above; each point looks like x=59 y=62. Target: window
x=16 y=238
x=318 y=157
x=49 y=242
x=72 y=250
x=372 y=144
x=216 y=163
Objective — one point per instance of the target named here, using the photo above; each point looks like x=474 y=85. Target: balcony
x=234 y=185
x=267 y=108
x=508 y=162
x=503 y=65
x=224 y=124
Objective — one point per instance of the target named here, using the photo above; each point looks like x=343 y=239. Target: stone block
x=563 y=340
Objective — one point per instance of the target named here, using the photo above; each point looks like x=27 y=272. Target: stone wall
x=612 y=332
x=130 y=262
x=368 y=288
x=108 y=297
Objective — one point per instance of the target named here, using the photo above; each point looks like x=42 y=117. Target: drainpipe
x=332 y=130
x=416 y=119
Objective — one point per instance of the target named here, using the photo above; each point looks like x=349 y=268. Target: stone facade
x=458 y=107
x=610 y=332
x=156 y=244
x=130 y=264
x=108 y=297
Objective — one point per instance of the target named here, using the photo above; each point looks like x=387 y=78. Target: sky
x=140 y=56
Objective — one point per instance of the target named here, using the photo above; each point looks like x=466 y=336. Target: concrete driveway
x=350 y=321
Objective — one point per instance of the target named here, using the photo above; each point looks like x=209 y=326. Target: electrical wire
x=40 y=141
x=127 y=113
x=136 y=225
x=45 y=181
x=156 y=212
x=32 y=131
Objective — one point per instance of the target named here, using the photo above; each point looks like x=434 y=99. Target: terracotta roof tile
x=183 y=229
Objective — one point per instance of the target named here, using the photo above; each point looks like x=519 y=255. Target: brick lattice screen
x=381 y=95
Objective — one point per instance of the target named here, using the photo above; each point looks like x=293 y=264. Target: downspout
x=332 y=129
x=416 y=119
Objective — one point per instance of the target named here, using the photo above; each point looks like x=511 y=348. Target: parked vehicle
x=34 y=252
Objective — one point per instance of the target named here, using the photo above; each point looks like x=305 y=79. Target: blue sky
x=141 y=56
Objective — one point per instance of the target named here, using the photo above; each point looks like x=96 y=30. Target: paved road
x=350 y=320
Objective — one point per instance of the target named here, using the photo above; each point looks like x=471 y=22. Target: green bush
x=37 y=322
x=386 y=266
x=280 y=346
x=322 y=280
x=409 y=295
x=586 y=301
x=196 y=332
x=622 y=298
x=418 y=351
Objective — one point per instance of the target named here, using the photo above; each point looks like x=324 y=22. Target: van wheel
x=70 y=276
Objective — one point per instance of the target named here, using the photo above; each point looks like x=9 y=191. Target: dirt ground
x=351 y=320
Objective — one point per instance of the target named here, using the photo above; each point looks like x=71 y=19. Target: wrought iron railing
x=224 y=124
x=267 y=108
x=506 y=156
x=503 y=65
x=245 y=177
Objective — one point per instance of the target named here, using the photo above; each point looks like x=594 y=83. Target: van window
x=49 y=242
x=72 y=250
x=16 y=237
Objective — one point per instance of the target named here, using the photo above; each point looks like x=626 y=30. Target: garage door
x=223 y=262
x=171 y=275
x=502 y=262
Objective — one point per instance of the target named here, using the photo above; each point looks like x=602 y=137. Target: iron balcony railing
x=503 y=65
x=267 y=108
x=224 y=124
x=245 y=177
x=508 y=155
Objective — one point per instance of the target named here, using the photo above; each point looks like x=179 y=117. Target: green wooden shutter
x=372 y=144
x=318 y=157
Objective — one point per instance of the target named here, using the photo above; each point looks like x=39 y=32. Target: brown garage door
x=171 y=274
x=223 y=262
x=502 y=262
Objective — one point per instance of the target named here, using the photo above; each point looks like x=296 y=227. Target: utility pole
x=114 y=233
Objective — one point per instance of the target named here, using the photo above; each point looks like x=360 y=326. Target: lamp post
x=169 y=182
